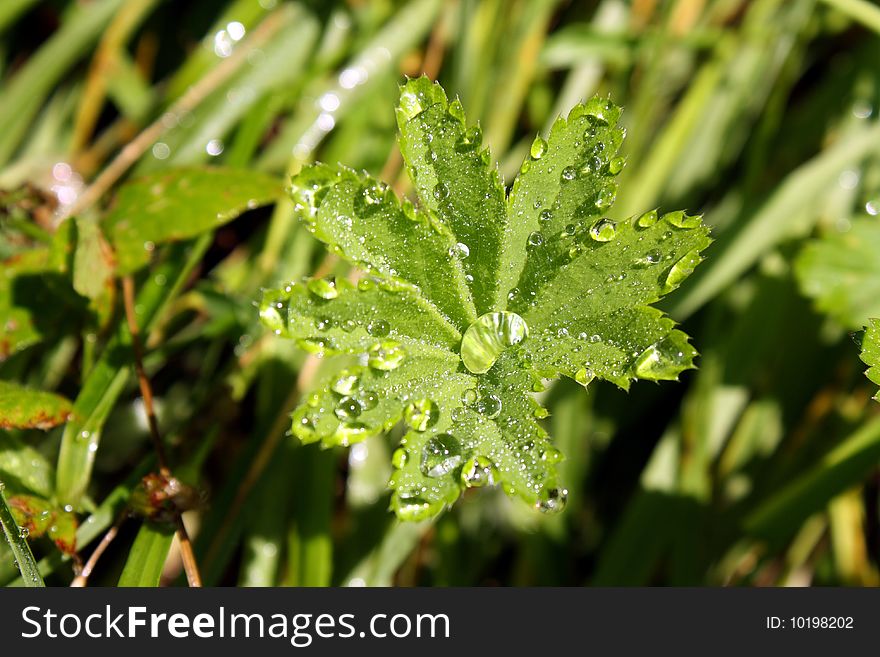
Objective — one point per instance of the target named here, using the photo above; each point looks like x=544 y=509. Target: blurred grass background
x=760 y=468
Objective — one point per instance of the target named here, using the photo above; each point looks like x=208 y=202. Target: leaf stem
x=81 y=580
x=189 y=560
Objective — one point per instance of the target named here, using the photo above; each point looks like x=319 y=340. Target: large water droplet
x=661 y=361
x=441 y=191
x=348 y=408
x=539 y=147
x=552 y=500
x=681 y=220
x=386 y=355
x=326 y=289
x=584 y=376
x=603 y=230
x=648 y=219
x=378 y=328
x=399 y=458
x=459 y=250
x=546 y=215
x=368 y=399
x=486 y=338
x=346 y=382
x=616 y=165
x=569 y=173
x=490 y=406
x=421 y=414
x=441 y=455
x=536 y=239
x=552 y=455
x=478 y=471
x=683 y=268
x=348 y=433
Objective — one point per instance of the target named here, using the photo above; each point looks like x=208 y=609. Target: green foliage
x=471 y=297
x=146 y=559
x=16 y=538
x=841 y=271
x=871 y=352
x=178 y=205
x=23 y=408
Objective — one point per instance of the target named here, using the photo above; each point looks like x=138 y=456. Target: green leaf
x=17 y=539
x=841 y=272
x=365 y=223
x=147 y=556
x=871 y=352
x=23 y=468
x=23 y=408
x=558 y=287
x=455 y=181
x=37 y=299
x=585 y=292
x=39 y=517
x=180 y=204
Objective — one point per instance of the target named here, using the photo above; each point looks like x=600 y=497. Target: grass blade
x=21 y=551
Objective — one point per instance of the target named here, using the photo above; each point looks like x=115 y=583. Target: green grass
x=758 y=468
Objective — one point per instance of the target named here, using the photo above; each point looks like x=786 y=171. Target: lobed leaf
x=474 y=297
x=841 y=272
x=871 y=352
x=24 y=408
x=180 y=204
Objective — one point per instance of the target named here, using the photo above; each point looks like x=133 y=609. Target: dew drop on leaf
x=386 y=355
x=421 y=414
x=441 y=455
x=539 y=147
x=490 y=406
x=441 y=191
x=536 y=239
x=552 y=500
x=469 y=397
x=348 y=408
x=681 y=220
x=478 y=471
x=368 y=399
x=346 y=382
x=323 y=288
x=584 y=376
x=648 y=219
x=569 y=173
x=378 y=328
x=603 y=230
x=661 y=361
x=552 y=455
x=459 y=250
x=546 y=215
x=399 y=458
x=616 y=165
x=486 y=338
x=683 y=268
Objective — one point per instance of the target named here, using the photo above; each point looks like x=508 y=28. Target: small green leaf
x=472 y=298
x=180 y=204
x=147 y=556
x=23 y=468
x=841 y=272
x=871 y=352
x=24 y=408
x=36 y=295
x=39 y=517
